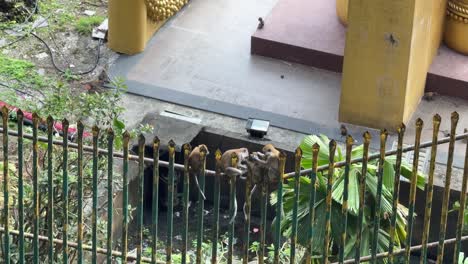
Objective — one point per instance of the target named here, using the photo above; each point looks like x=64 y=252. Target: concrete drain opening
x=214 y=140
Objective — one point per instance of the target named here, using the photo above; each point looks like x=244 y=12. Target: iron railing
x=61 y=244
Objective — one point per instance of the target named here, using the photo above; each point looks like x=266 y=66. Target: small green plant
x=456 y=207
x=69 y=76
x=284 y=252
x=85 y=24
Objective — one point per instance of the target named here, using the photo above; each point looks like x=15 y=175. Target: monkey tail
x=233 y=218
x=245 y=203
x=198 y=187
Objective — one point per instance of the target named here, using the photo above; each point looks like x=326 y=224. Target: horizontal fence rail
x=316 y=216
x=288 y=175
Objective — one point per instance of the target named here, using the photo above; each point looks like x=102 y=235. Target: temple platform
x=309 y=33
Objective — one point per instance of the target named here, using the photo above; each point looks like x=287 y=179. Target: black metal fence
x=50 y=241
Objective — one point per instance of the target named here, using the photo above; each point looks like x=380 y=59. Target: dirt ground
x=56 y=23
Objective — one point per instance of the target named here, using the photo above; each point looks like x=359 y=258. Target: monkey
x=261 y=163
x=343 y=130
x=195 y=165
x=261 y=23
x=429 y=96
x=242 y=155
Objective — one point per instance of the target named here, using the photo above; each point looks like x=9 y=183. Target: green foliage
x=63 y=13
x=462 y=259
x=337 y=200
x=284 y=252
x=191 y=254
x=85 y=25
x=20 y=72
x=59 y=101
x=456 y=207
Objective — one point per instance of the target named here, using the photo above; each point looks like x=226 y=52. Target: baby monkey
x=240 y=169
x=195 y=165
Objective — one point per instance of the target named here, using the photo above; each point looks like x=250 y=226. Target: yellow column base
x=129 y=27
x=456 y=27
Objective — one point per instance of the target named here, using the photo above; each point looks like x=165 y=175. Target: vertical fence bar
x=217 y=183
x=35 y=241
x=362 y=194
x=201 y=204
x=170 y=202
x=279 y=207
x=141 y=169
x=396 y=190
x=263 y=216
x=383 y=142
x=331 y=172
x=155 y=209
x=20 y=118
x=448 y=174
x=50 y=183
x=247 y=210
x=461 y=211
x=110 y=191
x=344 y=207
x=187 y=150
x=95 y=194
x=6 y=209
x=65 y=125
x=80 y=127
x=126 y=141
x=313 y=184
x=232 y=209
x=412 y=197
x=430 y=189
x=298 y=157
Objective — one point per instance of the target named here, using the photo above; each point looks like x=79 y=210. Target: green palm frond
x=337 y=200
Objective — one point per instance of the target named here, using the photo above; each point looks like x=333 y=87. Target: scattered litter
x=101 y=31
x=72 y=66
x=41 y=72
x=178 y=237
x=40 y=22
x=89 y=12
x=41 y=56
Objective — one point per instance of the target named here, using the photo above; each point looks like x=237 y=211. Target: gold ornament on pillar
x=342 y=11
x=456 y=26
x=160 y=10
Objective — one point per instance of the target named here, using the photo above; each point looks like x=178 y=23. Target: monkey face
x=203 y=145
x=269 y=150
x=243 y=154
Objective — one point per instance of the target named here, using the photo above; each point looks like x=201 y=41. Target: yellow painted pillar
x=389 y=48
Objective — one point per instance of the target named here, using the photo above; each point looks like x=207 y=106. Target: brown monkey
x=195 y=165
x=240 y=169
x=261 y=163
x=242 y=155
x=271 y=161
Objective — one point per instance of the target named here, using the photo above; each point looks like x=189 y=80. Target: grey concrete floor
x=199 y=65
